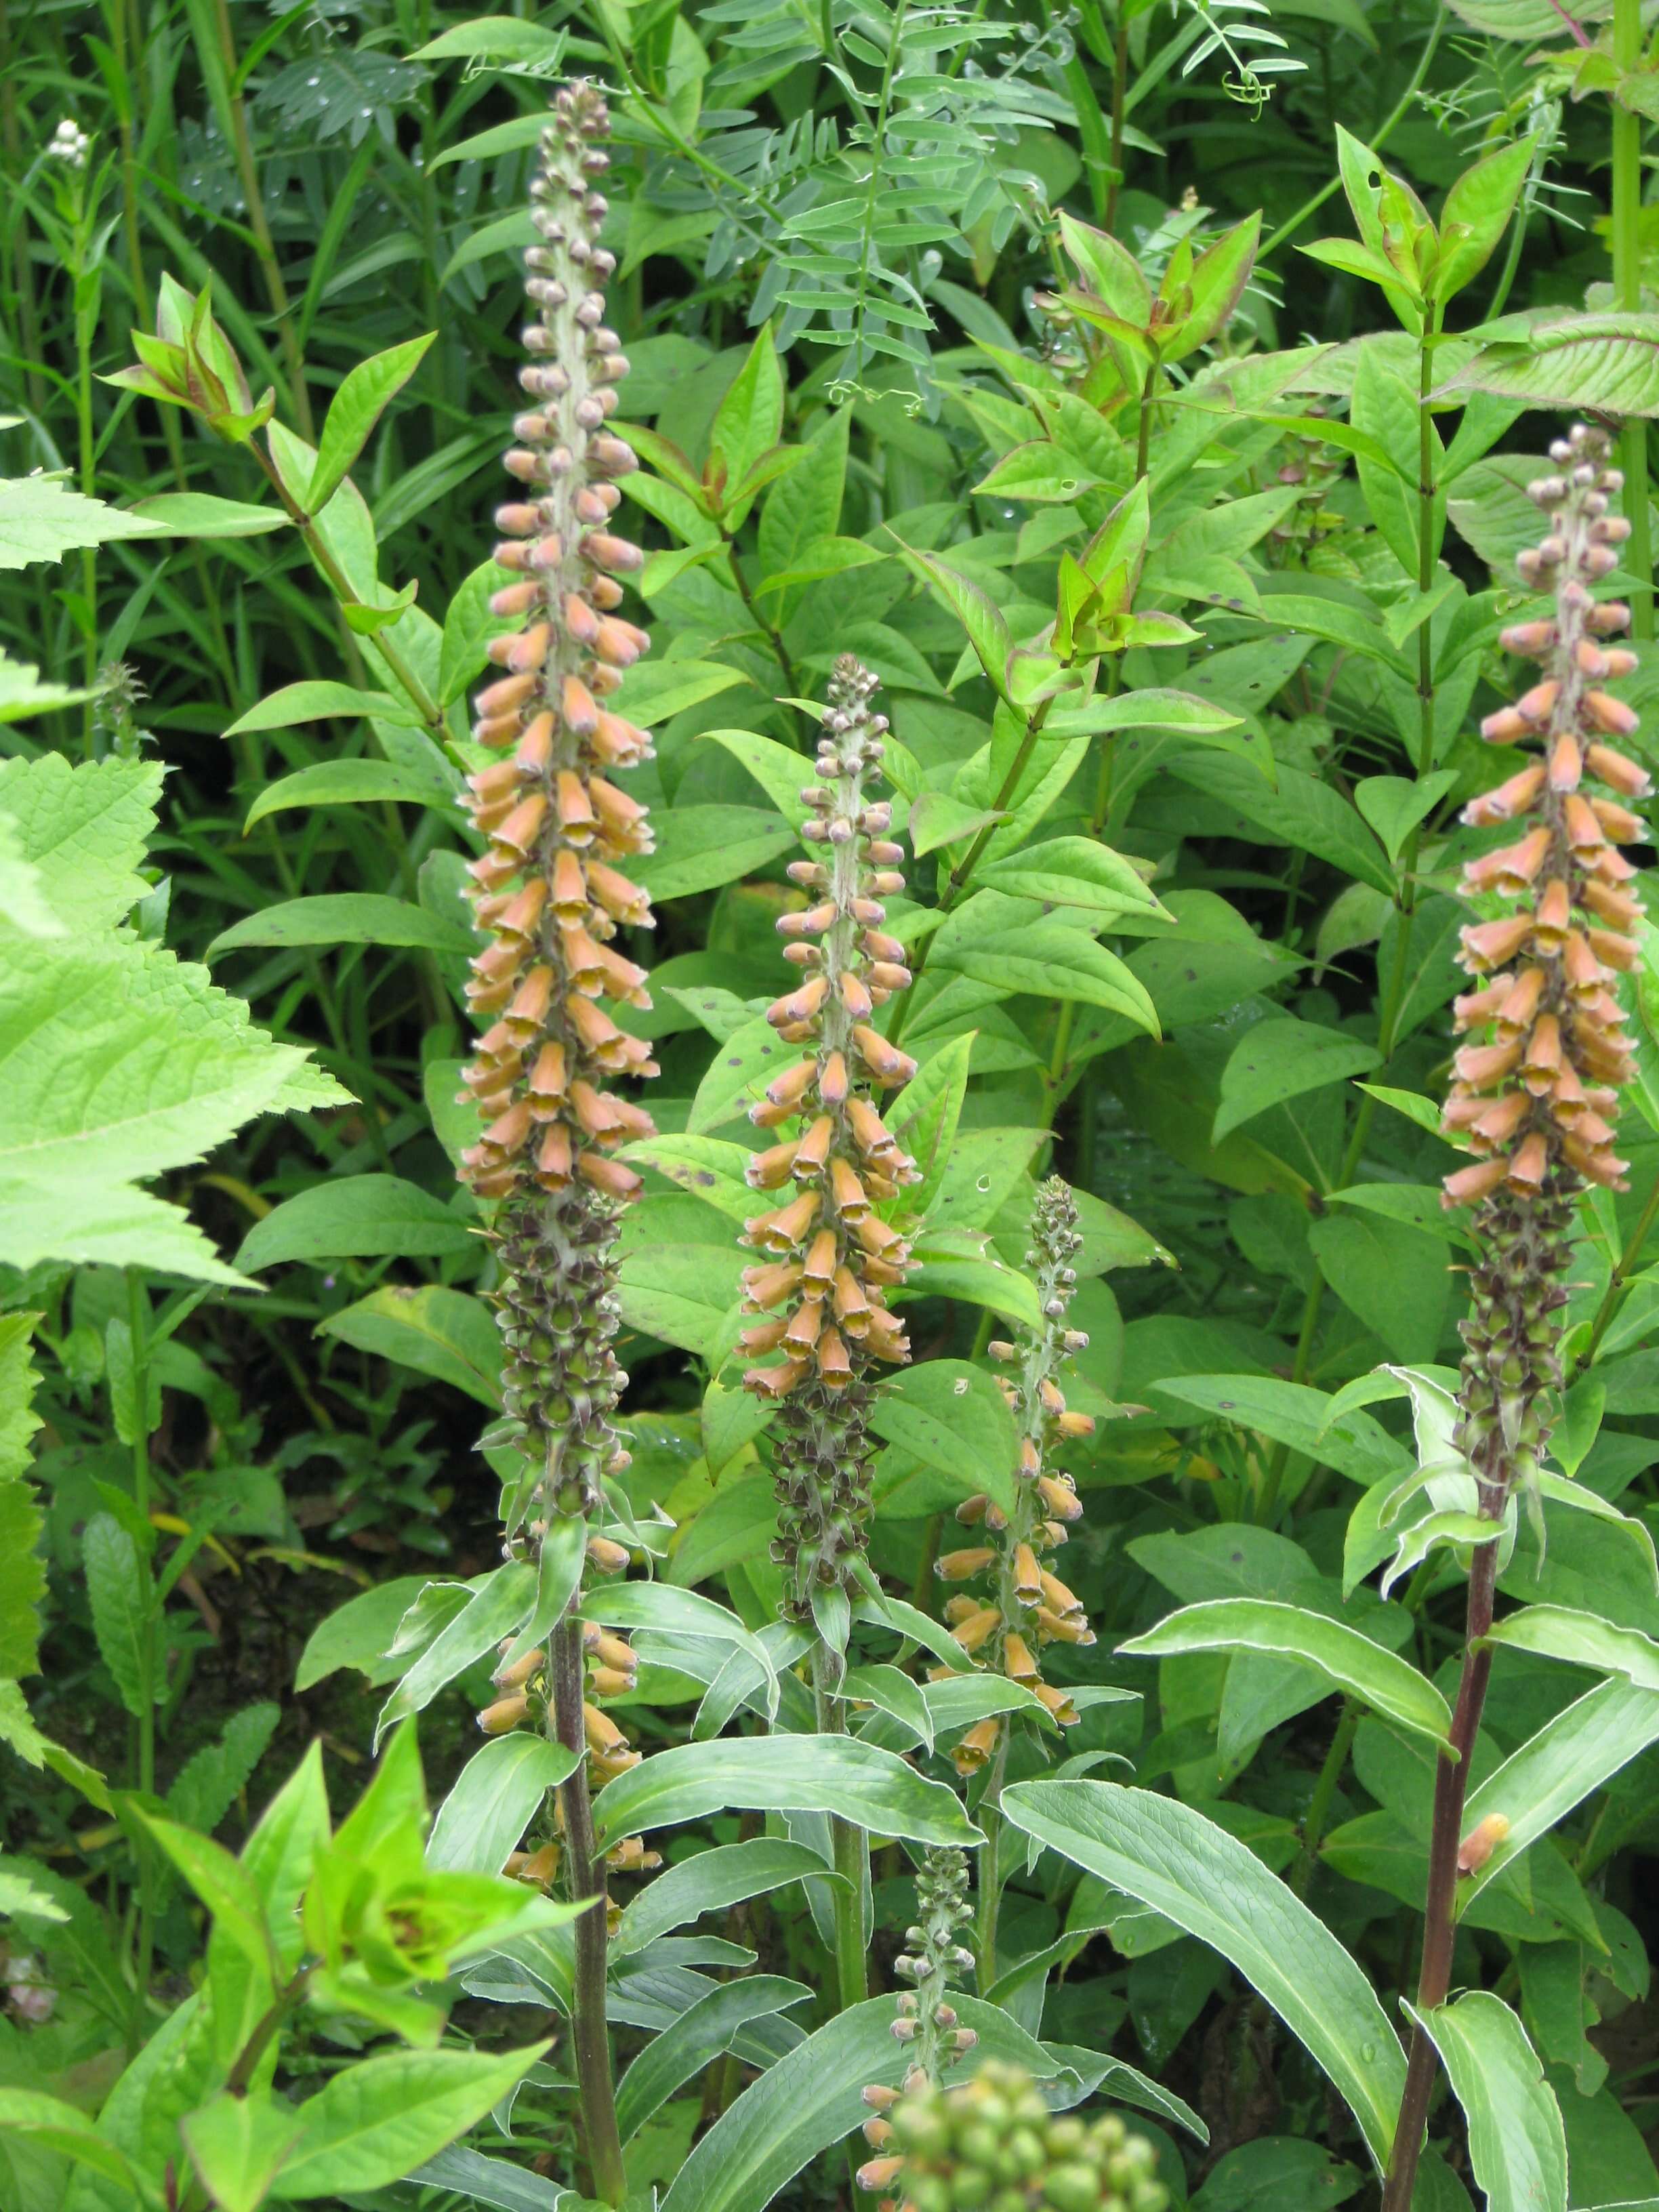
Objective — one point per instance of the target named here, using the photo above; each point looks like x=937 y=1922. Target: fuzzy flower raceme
x=993 y=2146
x=1535 y=1093
x=828 y=1256
x=550 y=894
x=1025 y=1605
x=549 y=890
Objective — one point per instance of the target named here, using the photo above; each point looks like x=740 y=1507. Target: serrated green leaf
x=41 y=520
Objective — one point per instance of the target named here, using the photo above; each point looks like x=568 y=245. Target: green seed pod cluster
x=993 y=2146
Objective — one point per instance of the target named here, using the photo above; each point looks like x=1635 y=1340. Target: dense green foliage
x=1146 y=395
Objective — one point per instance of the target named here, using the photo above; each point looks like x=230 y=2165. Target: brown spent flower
x=1027 y=1606
x=827 y=1257
x=1536 y=1089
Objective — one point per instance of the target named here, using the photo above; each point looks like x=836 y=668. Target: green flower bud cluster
x=993 y=2146
x=934 y=1958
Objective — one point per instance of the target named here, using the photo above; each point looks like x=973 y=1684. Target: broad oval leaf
x=1608 y=362
x=1583 y=1639
x=710 y=1880
x=356 y=1217
x=373 y=2120
x=494 y=1796
x=348 y=917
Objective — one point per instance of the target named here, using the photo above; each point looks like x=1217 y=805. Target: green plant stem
x=590 y=2034
x=1512 y=267
x=248 y=169
x=1451 y=1783
x=11 y=143
x=1148 y=409
x=768 y=630
x=1324 y=1795
x=1268 y=1496
x=1119 y=96
x=989 y=1873
x=348 y=596
x=1616 y=1281
x=874 y=183
x=962 y=875
x=138 y=1326
x=847 y=1854
x=144 y=318
x=239 y=2080
x=1384 y=131
x=1626 y=150
x=86 y=291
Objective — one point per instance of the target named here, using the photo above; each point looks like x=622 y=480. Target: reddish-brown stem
x=1451 y=1785
x=590 y=2032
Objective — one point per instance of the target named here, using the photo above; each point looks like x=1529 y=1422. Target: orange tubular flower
x=828 y=1258
x=1536 y=1088
x=1028 y=1607
x=550 y=893
x=549 y=890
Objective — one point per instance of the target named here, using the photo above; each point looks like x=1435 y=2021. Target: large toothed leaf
x=83 y=830
x=41 y=520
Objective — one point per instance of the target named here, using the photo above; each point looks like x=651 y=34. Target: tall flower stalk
x=550 y=894
x=1536 y=1088
x=1023 y=1605
x=828 y=1256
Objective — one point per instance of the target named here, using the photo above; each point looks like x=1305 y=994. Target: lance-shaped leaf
x=1389 y=1685
x=1608 y=362
x=871 y=1787
x=815 y=2097
x=1195 y=1874
x=1570 y=1757
x=1517 y=2144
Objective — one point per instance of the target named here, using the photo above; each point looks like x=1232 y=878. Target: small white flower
x=71 y=143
